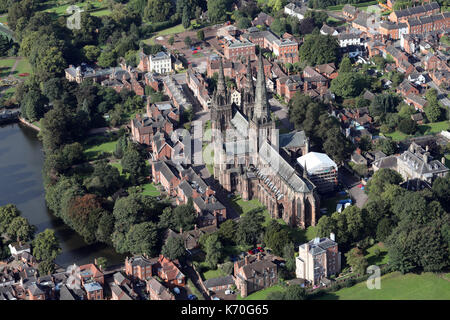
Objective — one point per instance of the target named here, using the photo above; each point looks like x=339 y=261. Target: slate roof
x=293 y=139
x=319 y=245
x=159 y=289
x=221 y=281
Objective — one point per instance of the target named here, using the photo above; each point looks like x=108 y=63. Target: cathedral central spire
x=221 y=86
x=262 y=110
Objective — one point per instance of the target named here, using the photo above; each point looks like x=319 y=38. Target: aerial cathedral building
x=254 y=160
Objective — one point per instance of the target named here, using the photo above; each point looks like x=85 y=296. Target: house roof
x=292 y=139
x=221 y=281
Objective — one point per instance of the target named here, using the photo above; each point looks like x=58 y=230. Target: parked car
x=192 y=297
x=228 y=292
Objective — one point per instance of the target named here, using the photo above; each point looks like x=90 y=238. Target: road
x=441 y=95
x=281 y=111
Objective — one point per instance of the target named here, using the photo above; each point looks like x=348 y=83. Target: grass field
x=381 y=259
x=362 y=6
x=4 y=19
x=23 y=66
x=423 y=129
x=172 y=30
x=5 y=66
x=210 y=274
x=61 y=10
x=149 y=189
x=261 y=294
x=94 y=146
x=395 y=286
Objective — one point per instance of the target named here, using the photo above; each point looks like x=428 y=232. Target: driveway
x=351 y=183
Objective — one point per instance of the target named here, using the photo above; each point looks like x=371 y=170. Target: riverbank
x=29 y=124
x=21 y=161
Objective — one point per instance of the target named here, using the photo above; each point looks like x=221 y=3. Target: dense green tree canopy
x=319 y=49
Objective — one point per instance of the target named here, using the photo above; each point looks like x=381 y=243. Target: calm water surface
x=21 y=160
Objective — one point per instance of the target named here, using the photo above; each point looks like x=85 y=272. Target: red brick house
x=166 y=173
x=157 y=291
x=139 y=267
x=90 y=272
x=169 y=272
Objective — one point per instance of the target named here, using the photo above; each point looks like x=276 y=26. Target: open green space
x=61 y=9
x=96 y=145
x=395 y=286
x=261 y=294
x=4 y=19
x=379 y=260
x=423 y=129
x=361 y=5
x=210 y=274
x=172 y=30
x=149 y=189
x=23 y=66
x=5 y=66
x=242 y=207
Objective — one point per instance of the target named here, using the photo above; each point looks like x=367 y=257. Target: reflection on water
x=21 y=161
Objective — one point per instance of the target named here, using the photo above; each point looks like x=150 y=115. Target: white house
x=293 y=10
x=349 y=39
x=417 y=78
x=160 y=63
x=18 y=248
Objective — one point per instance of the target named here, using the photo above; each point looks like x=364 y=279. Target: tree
x=278 y=26
x=46 y=246
x=441 y=190
x=357 y=261
x=217 y=10
x=319 y=49
x=134 y=163
x=348 y=84
x=227 y=231
x=244 y=23
x=7 y=214
x=142 y=238
x=187 y=41
x=387 y=146
x=213 y=249
x=182 y=217
x=158 y=10
x=381 y=178
x=346 y=65
x=433 y=109
x=186 y=21
x=33 y=104
x=105 y=227
x=107 y=58
x=46 y=267
x=382 y=104
x=20 y=229
x=276 y=237
x=84 y=214
x=384 y=229
x=407 y=126
x=250 y=227
x=91 y=52
x=201 y=35
x=294 y=292
x=105 y=180
x=174 y=248
x=102 y=262
x=171 y=40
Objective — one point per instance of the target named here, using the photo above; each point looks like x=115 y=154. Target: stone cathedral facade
x=253 y=160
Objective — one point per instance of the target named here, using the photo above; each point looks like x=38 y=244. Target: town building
x=414 y=12
x=294 y=10
x=219 y=284
x=318 y=259
x=414 y=163
x=321 y=170
x=160 y=63
x=255 y=273
x=157 y=291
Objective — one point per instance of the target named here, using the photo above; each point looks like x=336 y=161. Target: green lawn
x=149 y=189
x=61 y=10
x=210 y=274
x=358 y=5
x=5 y=66
x=94 y=146
x=23 y=66
x=381 y=259
x=395 y=286
x=4 y=19
x=101 y=13
x=423 y=129
x=172 y=30
x=261 y=294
